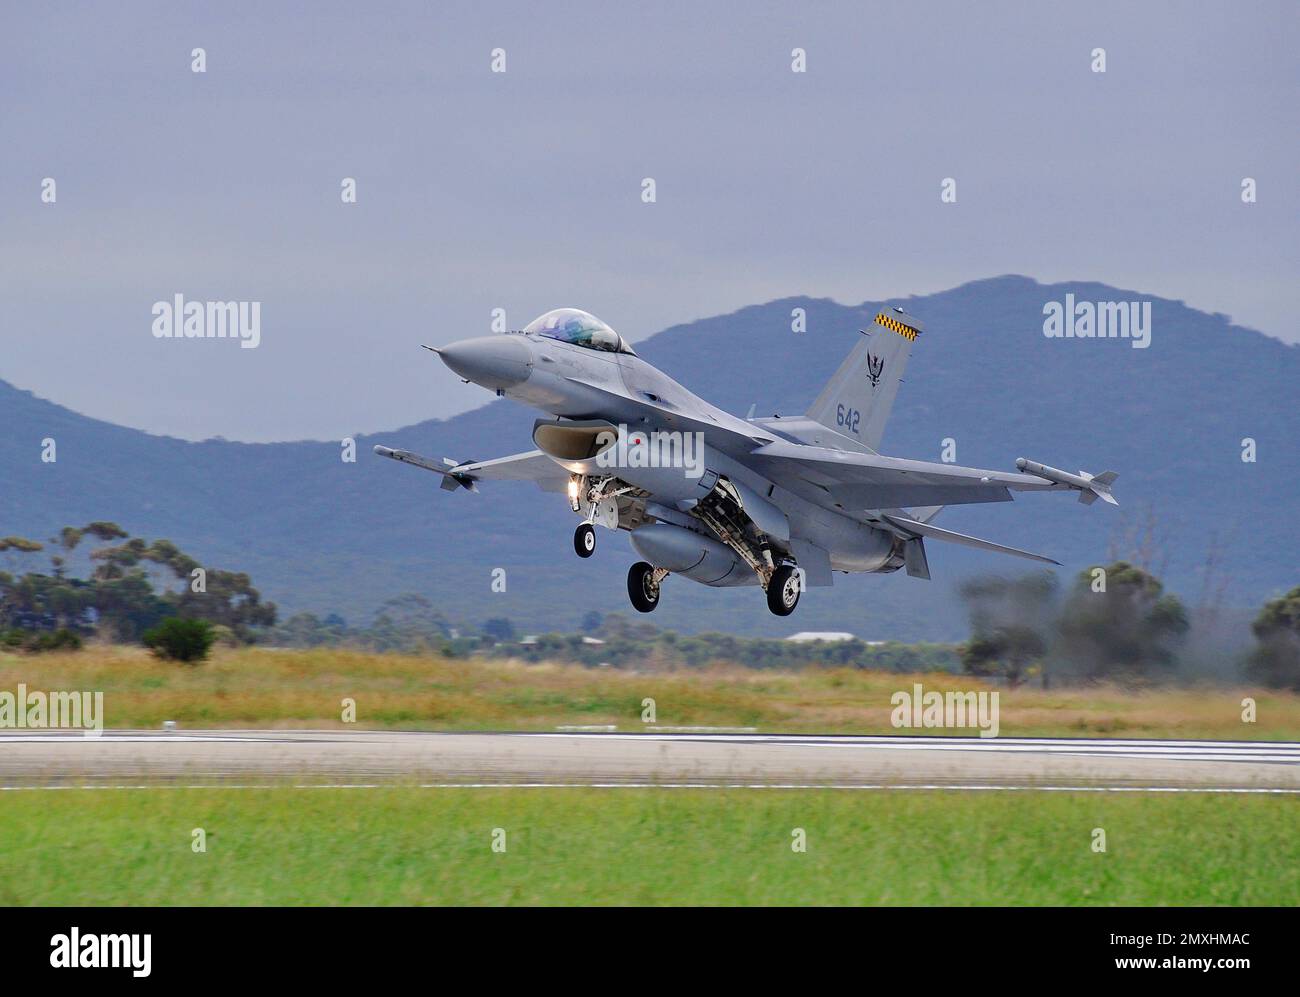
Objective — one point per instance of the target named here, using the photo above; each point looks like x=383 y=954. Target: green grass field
x=257 y=687
x=406 y=845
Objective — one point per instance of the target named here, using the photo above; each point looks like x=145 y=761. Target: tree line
x=1114 y=623
x=101 y=580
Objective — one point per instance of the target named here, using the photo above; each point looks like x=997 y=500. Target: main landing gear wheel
x=783 y=590
x=643 y=587
x=584 y=540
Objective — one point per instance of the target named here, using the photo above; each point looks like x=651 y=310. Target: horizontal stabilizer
x=926 y=513
x=918 y=529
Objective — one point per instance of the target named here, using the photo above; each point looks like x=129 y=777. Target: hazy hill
x=319 y=534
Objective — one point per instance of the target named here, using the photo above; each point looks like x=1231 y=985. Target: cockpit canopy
x=570 y=325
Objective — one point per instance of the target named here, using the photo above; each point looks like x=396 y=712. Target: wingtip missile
x=451 y=479
x=1090 y=486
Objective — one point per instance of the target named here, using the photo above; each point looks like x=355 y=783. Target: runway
x=31 y=760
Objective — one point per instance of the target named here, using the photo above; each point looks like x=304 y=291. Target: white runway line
x=647 y=759
x=927 y=787
x=702 y=730
x=1207 y=751
x=1280 y=752
x=74 y=737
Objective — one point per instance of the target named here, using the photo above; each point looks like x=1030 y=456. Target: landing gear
x=643 y=586
x=783 y=590
x=584 y=540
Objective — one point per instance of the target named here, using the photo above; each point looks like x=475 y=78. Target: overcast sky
x=522 y=190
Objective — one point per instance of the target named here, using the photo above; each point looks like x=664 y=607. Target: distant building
x=830 y=636
x=592 y=640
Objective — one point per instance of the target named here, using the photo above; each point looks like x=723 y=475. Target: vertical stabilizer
x=857 y=400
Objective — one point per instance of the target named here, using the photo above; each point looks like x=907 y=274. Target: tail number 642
x=847 y=417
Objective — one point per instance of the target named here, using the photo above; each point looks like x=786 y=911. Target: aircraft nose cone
x=495 y=362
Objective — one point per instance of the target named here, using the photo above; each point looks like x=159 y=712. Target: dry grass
x=254 y=687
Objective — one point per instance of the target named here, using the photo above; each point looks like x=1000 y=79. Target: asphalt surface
x=360 y=758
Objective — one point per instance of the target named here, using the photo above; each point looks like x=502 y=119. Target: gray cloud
x=522 y=190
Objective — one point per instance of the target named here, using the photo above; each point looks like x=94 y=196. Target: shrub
x=36 y=641
x=62 y=639
x=1276 y=661
x=181 y=639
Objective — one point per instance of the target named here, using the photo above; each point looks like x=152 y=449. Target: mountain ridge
x=306 y=526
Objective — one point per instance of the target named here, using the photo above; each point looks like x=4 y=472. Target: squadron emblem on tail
x=875 y=367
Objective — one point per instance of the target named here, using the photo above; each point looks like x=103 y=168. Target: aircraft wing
x=531 y=466
x=871 y=481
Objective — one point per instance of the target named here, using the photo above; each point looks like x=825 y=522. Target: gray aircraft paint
x=807 y=493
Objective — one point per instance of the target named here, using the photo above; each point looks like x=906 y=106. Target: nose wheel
x=584 y=540
x=783 y=590
x=643 y=586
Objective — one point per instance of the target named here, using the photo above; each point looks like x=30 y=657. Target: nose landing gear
x=597 y=501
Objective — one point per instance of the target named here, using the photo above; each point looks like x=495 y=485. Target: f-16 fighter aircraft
x=782 y=503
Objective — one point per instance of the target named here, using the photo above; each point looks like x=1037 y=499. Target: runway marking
x=859 y=787
x=77 y=737
x=1204 y=751
x=758 y=751
x=1272 y=752
x=739 y=735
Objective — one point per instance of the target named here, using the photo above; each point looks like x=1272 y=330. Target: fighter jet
x=781 y=503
